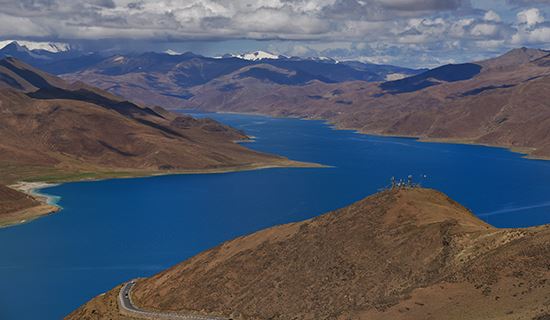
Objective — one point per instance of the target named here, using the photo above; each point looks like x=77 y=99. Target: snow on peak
x=172 y=52
x=396 y=76
x=324 y=59
x=258 y=55
x=53 y=47
x=119 y=59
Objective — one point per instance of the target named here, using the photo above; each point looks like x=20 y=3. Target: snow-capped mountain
x=257 y=55
x=53 y=47
x=264 y=55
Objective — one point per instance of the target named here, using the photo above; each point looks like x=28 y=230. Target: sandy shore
x=33 y=189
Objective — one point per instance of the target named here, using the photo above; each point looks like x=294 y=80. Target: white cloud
x=530 y=17
x=380 y=29
x=300 y=51
x=20 y=27
x=484 y=29
x=490 y=44
x=532 y=36
x=375 y=59
x=491 y=16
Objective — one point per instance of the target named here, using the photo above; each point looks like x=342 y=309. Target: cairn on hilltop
x=403 y=184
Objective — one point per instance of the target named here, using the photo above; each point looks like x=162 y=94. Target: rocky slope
x=502 y=101
x=54 y=130
x=399 y=254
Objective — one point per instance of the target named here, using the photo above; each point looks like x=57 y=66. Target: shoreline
x=34 y=190
x=48 y=203
x=525 y=152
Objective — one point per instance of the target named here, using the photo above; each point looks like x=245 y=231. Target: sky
x=414 y=33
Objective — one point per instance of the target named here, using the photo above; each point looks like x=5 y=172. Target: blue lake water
x=115 y=230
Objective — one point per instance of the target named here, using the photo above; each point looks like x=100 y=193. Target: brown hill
x=399 y=254
x=76 y=127
x=513 y=58
x=502 y=101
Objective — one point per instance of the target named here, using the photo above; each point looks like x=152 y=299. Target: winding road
x=128 y=308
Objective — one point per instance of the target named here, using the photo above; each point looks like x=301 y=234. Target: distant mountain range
x=501 y=101
x=163 y=78
x=156 y=78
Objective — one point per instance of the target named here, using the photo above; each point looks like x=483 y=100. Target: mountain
x=54 y=47
x=459 y=72
x=168 y=79
x=513 y=58
x=54 y=130
x=502 y=101
x=399 y=254
x=258 y=55
x=446 y=73
x=390 y=72
x=54 y=58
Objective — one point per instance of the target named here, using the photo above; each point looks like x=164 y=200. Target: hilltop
x=399 y=254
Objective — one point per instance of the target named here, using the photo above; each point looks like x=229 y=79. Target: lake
x=114 y=230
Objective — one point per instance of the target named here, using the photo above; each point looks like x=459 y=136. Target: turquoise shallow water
x=114 y=230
